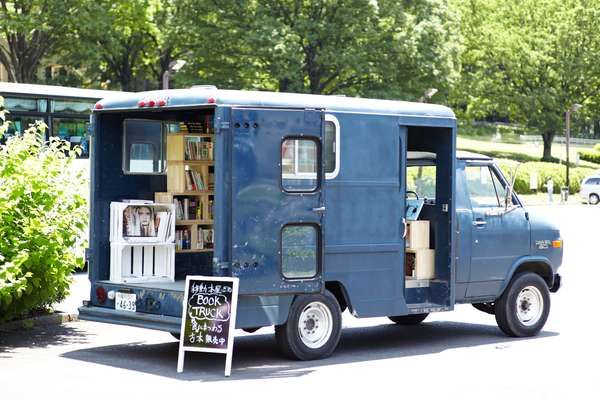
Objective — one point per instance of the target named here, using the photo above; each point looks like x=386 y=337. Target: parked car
x=590 y=189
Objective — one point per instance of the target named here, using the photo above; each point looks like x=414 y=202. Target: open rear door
x=277 y=200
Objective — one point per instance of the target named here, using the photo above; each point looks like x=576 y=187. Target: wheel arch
x=339 y=292
x=537 y=265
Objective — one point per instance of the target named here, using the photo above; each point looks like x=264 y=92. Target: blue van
x=317 y=204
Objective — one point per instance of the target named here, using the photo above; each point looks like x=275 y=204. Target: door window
x=299 y=249
x=485 y=189
x=299 y=163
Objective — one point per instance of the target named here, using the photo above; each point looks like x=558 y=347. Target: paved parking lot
x=461 y=354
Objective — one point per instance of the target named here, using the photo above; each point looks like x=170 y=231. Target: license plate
x=125 y=301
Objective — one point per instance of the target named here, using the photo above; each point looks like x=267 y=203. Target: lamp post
x=427 y=95
x=574 y=108
x=174 y=67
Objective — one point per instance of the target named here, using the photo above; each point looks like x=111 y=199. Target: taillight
x=101 y=294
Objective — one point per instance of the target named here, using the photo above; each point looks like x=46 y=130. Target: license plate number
x=125 y=301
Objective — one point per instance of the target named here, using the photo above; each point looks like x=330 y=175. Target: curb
x=44 y=320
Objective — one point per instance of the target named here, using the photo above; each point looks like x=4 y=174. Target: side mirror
x=509 y=191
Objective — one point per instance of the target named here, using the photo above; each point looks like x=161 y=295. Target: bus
x=65 y=110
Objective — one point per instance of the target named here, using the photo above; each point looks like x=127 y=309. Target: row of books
x=205 y=126
x=188 y=208
x=183 y=239
x=197 y=149
x=194 y=180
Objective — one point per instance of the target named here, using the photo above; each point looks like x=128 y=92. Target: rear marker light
x=101 y=294
x=151 y=103
x=98 y=106
x=162 y=103
x=141 y=103
x=211 y=100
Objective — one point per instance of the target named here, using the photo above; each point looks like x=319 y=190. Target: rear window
x=144 y=147
x=593 y=181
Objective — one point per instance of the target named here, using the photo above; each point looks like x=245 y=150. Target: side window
x=331 y=147
x=299 y=249
x=421 y=180
x=299 y=163
x=485 y=189
x=144 y=147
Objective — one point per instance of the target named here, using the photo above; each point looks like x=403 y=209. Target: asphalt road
x=456 y=355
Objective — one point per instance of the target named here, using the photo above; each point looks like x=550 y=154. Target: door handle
x=319 y=209
x=405 y=228
x=479 y=222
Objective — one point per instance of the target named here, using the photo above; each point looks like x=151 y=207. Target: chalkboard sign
x=208 y=317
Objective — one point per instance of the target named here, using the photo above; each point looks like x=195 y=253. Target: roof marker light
x=151 y=103
x=162 y=102
x=141 y=103
x=211 y=100
x=99 y=106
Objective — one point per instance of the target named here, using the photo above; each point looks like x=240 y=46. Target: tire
x=412 y=319
x=313 y=328
x=523 y=308
x=594 y=199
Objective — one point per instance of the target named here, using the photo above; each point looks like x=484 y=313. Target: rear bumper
x=557 y=283
x=137 y=319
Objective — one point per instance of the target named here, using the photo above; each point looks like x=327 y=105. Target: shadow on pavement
x=41 y=337
x=256 y=356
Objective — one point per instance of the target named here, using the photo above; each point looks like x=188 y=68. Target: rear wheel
x=594 y=199
x=523 y=308
x=412 y=319
x=313 y=328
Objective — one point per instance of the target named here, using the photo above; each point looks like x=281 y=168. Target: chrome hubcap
x=315 y=325
x=530 y=305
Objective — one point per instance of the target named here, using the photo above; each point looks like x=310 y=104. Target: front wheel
x=523 y=308
x=313 y=328
x=594 y=199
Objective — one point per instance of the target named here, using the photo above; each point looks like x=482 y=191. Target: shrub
x=43 y=215
x=544 y=171
x=591 y=155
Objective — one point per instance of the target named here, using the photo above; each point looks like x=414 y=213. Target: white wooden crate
x=117 y=222
x=417 y=234
x=131 y=263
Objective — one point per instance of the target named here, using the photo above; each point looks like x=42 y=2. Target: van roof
x=200 y=95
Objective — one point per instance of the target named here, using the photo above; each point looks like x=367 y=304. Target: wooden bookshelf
x=190 y=166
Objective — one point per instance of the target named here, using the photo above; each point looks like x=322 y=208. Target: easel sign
x=208 y=317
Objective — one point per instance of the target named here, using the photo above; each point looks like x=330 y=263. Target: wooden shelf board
x=192 y=162
x=202 y=135
x=195 y=251
x=196 y=193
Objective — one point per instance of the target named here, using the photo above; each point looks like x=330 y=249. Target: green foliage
x=590 y=155
x=528 y=61
x=43 y=215
x=544 y=171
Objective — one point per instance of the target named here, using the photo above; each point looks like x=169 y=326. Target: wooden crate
x=131 y=263
x=421 y=261
x=417 y=235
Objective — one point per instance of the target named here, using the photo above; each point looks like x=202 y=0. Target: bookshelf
x=190 y=184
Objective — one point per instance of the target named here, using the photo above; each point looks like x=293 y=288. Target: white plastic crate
x=130 y=263
x=117 y=223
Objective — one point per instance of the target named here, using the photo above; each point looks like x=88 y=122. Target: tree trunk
x=548 y=136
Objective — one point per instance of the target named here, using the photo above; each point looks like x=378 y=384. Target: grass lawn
x=541 y=198
x=534 y=150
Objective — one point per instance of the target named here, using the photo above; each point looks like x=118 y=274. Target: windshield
x=421 y=180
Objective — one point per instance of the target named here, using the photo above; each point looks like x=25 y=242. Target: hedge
x=545 y=171
x=591 y=155
x=43 y=217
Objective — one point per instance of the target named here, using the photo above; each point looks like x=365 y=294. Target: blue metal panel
x=364 y=246
x=260 y=207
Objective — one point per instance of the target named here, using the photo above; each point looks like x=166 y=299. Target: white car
x=590 y=189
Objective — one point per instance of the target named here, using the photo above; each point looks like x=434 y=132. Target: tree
x=528 y=61
x=356 y=47
x=31 y=30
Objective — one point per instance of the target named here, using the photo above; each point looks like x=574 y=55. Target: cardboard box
x=417 y=235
